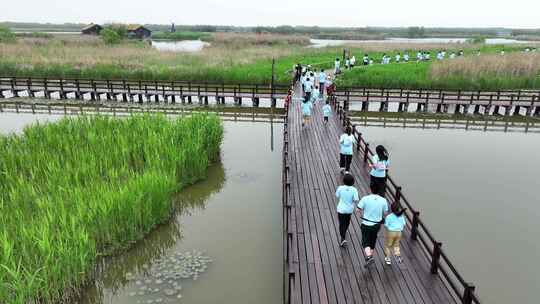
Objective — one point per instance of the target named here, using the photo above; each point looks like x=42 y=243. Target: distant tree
x=284 y=29
x=6 y=35
x=118 y=28
x=110 y=36
x=416 y=32
x=477 y=39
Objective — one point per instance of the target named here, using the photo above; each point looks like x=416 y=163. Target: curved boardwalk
x=323 y=272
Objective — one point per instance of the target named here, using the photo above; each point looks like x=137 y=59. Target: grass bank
x=489 y=71
x=246 y=58
x=179 y=36
x=85 y=187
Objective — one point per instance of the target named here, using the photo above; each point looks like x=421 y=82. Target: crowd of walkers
x=374 y=211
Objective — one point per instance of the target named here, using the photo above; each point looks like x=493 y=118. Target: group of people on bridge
x=373 y=208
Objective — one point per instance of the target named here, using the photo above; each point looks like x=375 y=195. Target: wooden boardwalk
x=317 y=269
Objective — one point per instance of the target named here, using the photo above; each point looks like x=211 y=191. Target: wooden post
x=365 y=104
x=272 y=84
x=509 y=108
x=62 y=93
x=468 y=293
x=414 y=225
x=407 y=102
x=435 y=257
x=29 y=87
x=13 y=90
x=78 y=94
x=398 y=195
x=45 y=85
x=530 y=108
x=366 y=154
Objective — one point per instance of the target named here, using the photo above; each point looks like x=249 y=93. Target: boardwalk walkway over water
x=317 y=269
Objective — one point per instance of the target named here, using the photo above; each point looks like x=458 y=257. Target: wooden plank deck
x=325 y=272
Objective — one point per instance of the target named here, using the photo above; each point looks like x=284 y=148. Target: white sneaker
x=388 y=261
x=343 y=243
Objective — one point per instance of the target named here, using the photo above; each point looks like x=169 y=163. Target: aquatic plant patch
x=84 y=187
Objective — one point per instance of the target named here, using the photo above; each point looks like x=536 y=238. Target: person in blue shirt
x=322 y=81
x=327 y=111
x=373 y=208
x=346 y=143
x=308 y=88
x=306 y=111
x=315 y=95
x=394 y=224
x=379 y=169
x=348 y=197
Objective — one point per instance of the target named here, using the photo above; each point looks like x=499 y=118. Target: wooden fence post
x=468 y=293
x=366 y=155
x=414 y=225
x=398 y=195
x=435 y=257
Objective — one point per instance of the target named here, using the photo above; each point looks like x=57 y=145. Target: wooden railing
x=127 y=89
x=289 y=280
x=432 y=248
x=482 y=101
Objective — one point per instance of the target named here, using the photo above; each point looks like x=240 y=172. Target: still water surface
x=318 y=43
x=478 y=191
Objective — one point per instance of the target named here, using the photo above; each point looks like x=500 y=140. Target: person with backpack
x=394 y=223
x=346 y=142
x=373 y=208
x=348 y=197
x=379 y=169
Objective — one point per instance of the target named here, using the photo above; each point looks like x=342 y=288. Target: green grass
x=179 y=36
x=85 y=187
x=246 y=61
x=414 y=75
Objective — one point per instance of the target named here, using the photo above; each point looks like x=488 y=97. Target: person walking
x=322 y=81
x=337 y=64
x=348 y=197
x=346 y=142
x=394 y=224
x=379 y=169
x=308 y=88
x=373 y=208
x=306 y=111
x=327 y=111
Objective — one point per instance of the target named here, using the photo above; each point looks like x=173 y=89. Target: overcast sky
x=358 y=13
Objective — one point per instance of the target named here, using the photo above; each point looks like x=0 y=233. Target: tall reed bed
x=84 y=187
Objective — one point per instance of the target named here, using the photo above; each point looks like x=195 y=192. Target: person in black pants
x=379 y=169
x=346 y=142
x=348 y=197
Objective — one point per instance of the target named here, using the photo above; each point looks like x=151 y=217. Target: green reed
x=84 y=187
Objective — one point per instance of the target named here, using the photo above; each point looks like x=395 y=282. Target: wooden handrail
x=440 y=263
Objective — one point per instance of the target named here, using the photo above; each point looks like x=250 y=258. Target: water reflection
x=449 y=122
x=112 y=272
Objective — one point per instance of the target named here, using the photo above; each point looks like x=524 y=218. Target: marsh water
x=179 y=46
x=476 y=190
x=318 y=43
x=233 y=218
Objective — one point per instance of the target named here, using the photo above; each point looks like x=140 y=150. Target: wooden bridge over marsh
x=502 y=102
x=316 y=269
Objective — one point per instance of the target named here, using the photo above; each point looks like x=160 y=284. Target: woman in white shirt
x=379 y=169
x=346 y=143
